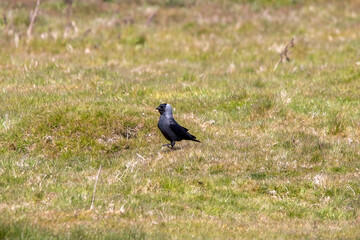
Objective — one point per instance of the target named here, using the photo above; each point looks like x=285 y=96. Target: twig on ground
x=352 y=190
x=5 y=22
x=151 y=17
x=87 y=31
x=68 y=12
x=285 y=53
x=5 y=19
x=93 y=198
x=142 y=158
x=33 y=18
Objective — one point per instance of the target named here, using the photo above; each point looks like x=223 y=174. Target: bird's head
x=164 y=109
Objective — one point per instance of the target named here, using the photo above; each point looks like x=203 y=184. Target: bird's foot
x=167 y=145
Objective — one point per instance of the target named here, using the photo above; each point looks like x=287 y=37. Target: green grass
x=279 y=153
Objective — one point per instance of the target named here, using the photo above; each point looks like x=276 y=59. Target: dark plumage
x=171 y=130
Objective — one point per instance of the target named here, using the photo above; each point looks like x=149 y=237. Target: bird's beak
x=157 y=108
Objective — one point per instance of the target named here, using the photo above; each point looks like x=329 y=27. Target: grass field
x=280 y=151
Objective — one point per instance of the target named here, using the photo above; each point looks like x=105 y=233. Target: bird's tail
x=194 y=139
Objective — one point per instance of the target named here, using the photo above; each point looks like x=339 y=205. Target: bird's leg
x=167 y=145
x=172 y=144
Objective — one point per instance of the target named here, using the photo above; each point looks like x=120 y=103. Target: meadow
x=279 y=156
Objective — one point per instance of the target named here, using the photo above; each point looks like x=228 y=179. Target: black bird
x=171 y=130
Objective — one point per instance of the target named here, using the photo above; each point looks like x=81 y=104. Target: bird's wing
x=179 y=130
x=176 y=128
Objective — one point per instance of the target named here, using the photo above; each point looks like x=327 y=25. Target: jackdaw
x=171 y=130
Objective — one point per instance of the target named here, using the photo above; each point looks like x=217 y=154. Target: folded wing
x=181 y=132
